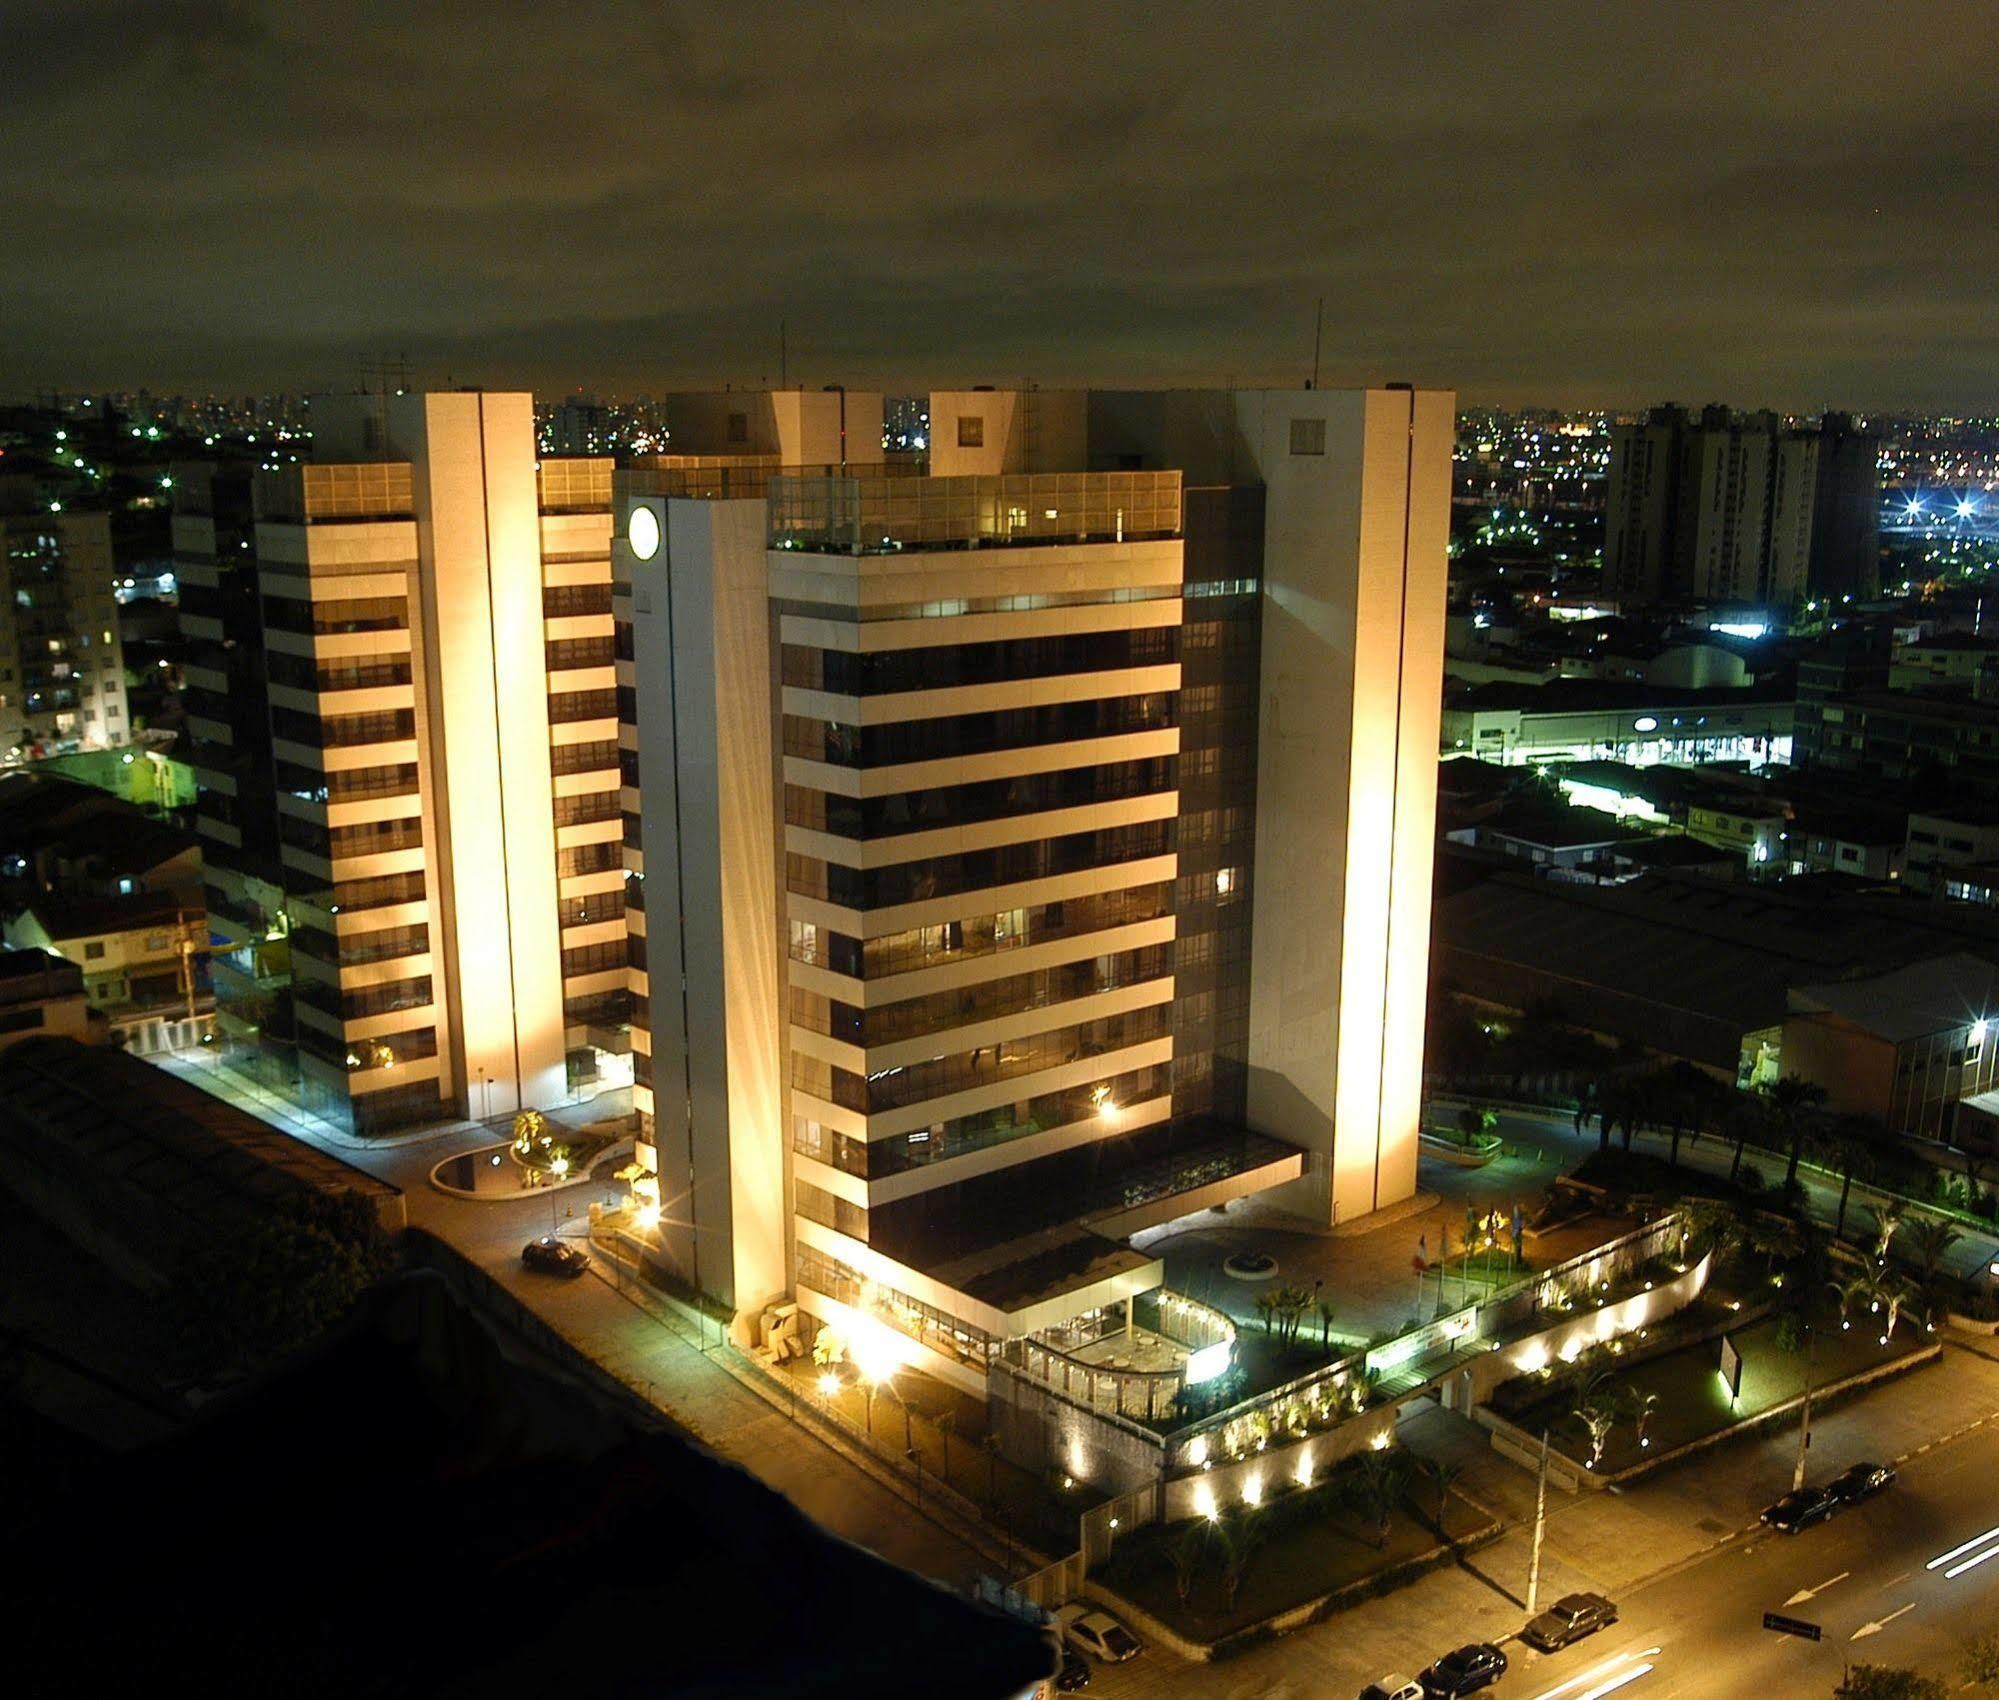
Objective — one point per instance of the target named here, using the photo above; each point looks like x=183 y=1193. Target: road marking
x=1971 y=1563
x=1892 y=1580
x=1595 y=1672
x=1880 y=1623
x=1615 y=1683
x=1804 y=1594
x=1944 y=1558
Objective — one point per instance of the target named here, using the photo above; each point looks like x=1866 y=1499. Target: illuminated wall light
x=1382 y=1440
x=1197 y=1450
x=1252 y=1489
x=1204 y=1502
x=1304 y=1468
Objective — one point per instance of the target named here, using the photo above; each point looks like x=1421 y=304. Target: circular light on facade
x=642 y=533
x=1644 y=723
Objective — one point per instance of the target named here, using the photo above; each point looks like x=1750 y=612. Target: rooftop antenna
x=1318 y=326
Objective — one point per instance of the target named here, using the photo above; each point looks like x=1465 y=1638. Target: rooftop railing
x=850 y=515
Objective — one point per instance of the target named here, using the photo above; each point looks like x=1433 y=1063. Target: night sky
x=1600 y=203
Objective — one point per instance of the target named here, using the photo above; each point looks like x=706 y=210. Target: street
x=1689 y=1567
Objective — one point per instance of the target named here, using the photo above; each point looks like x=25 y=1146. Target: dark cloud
x=1794 y=204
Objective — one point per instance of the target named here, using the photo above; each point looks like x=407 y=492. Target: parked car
x=1863 y=1481
x=1800 y=1509
x=1074 y=1674
x=1393 y=1688
x=1097 y=1633
x=551 y=1257
x=1477 y=1665
x=1569 y=1619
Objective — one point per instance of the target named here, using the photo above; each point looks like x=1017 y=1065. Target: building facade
x=441 y=929
x=1738 y=508
x=62 y=668
x=1028 y=854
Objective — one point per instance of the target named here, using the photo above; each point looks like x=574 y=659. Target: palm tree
x=1378 y=1485
x=1854 y=1293
x=1596 y=1410
x=1186 y=1555
x=1326 y=1311
x=1848 y=1147
x=1929 y=1239
x=1442 y=1473
x=1741 y=1117
x=1642 y=1405
x=1794 y=1098
x=1240 y=1533
x=1887 y=1216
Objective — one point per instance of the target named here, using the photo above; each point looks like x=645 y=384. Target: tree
x=1475 y=1121
x=1978 y=1662
x=1327 y=1310
x=1740 y=1121
x=1596 y=1410
x=1642 y=1405
x=1888 y=1215
x=1794 y=1098
x=1929 y=1239
x=1186 y=1554
x=1377 y=1486
x=1240 y=1533
x=1887 y=1682
x=1848 y=1148
x=1442 y=1473
x=247 y=1299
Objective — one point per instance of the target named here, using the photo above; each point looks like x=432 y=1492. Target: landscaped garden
x=1208 y=1578
x=1792 y=1313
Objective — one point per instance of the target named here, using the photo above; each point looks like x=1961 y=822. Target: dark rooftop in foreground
x=417 y=1507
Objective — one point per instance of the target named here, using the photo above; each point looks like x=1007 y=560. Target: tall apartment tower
x=1026 y=858
x=62 y=667
x=442 y=751
x=1846 y=510
x=1737 y=508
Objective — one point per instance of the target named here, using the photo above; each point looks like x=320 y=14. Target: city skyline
x=1563 y=207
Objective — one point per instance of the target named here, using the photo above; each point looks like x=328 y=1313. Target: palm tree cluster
x=1284 y=1310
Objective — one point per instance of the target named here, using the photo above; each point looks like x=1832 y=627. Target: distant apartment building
x=1737 y=508
x=42 y=993
x=62 y=667
x=1027 y=853
x=414 y=863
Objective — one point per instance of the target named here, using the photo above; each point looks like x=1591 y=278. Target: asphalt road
x=1870 y=1584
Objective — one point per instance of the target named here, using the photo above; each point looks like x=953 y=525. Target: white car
x=1097 y=1633
x=1393 y=1688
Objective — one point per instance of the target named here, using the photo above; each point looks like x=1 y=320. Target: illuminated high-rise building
x=1031 y=853
x=62 y=667
x=440 y=930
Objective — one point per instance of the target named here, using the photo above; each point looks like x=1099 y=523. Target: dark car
x=550 y=1256
x=1466 y=1671
x=1863 y=1481
x=1074 y=1674
x=1800 y=1509
x=1569 y=1619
